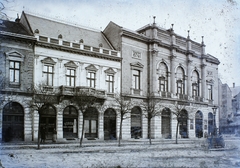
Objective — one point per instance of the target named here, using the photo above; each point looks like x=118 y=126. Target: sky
x=217 y=20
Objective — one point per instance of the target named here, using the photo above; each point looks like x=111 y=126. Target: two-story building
x=16 y=79
x=176 y=70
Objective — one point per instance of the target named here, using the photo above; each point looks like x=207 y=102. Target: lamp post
x=214 y=122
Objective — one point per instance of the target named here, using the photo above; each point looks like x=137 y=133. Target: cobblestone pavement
x=134 y=153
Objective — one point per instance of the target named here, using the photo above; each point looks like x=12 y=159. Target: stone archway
x=13 y=122
x=70 y=122
x=183 y=124
x=110 y=124
x=91 y=123
x=136 y=122
x=166 y=123
x=199 y=124
x=48 y=120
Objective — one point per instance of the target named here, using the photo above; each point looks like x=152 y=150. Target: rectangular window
x=210 y=92
x=136 y=79
x=14 y=71
x=70 y=77
x=48 y=74
x=110 y=83
x=163 y=84
x=194 y=90
x=91 y=79
x=179 y=87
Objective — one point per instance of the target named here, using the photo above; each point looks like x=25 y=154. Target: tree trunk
x=177 y=133
x=81 y=139
x=120 y=133
x=149 y=131
x=39 y=129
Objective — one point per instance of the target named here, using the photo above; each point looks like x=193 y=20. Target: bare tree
x=4 y=6
x=124 y=106
x=42 y=98
x=179 y=110
x=151 y=109
x=84 y=100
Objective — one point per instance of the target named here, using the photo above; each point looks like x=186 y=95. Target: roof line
x=61 y=21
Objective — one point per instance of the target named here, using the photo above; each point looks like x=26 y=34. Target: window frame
x=12 y=72
x=48 y=74
x=91 y=80
x=70 y=76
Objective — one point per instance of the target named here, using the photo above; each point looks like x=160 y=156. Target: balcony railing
x=165 y=94
x=182 y=96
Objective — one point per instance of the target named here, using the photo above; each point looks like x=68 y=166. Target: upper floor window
x=91 y=75
x=136 y=79
x=210 y=92
x=110 y=83
x=163 y=79
x=14 y=71
x=48 y=74
x=70 y=77
x=180 y=80
x=13 y=67
x=48 y=70
x=91 y=79
x=70 y=73
x=180 y=87
x=195 y=83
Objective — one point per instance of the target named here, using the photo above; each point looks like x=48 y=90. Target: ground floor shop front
x=19 y=123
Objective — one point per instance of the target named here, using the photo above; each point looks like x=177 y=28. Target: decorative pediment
x=70 y=64
x=110 y=71
x=48 y=60
x=211 y=81
x=14 y=55
x=137 y=65
x=91 y=68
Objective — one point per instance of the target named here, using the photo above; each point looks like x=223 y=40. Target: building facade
x=16 y=78
x=175 y=70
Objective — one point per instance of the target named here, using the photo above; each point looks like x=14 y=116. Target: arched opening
x=110 y=124
x=70 y=122
x=183 y=124
x=91 y=123
x=210 y=123
x=136 y=122
x=166 y=123
x=48 y=120
x=199 y=124
x=13 y=122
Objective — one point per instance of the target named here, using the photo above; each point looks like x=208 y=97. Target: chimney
x=17 y=19
x=233 y=85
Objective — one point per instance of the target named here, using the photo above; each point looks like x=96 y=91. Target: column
x=189 y=75
x=100 y=125
x=172 y=77
x=203 y=80
x=153 y=71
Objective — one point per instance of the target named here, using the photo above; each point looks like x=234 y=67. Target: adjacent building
x=66 y=58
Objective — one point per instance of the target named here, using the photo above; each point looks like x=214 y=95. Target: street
x=190 y=153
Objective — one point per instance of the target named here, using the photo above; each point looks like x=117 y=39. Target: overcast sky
x=217 y=20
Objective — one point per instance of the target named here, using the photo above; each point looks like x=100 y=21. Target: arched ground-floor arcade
x=99 y=123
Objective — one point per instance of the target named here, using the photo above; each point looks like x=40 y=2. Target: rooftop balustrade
x=79 y=46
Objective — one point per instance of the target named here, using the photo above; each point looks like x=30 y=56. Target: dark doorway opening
x=48 y=120
x=70 y=122
x=166 y=123
x=91 y=123
x=136 y=123
x=13 y=122
x=199 y=124
x=110 y=125
x=183 y=124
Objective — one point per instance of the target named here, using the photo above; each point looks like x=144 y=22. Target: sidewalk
x=92 y=143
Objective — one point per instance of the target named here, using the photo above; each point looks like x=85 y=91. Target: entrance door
x=13 y=122
x=183 y=126
x=199 y=124
x=166 y=123
x=48 y=120
x=91 y=123
x=136 y=123
x=110 y=124
x=70 y=118
x=210 y=123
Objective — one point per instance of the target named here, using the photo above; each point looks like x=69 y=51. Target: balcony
x=182 y=96
x=70 y=91
x=165 y=94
